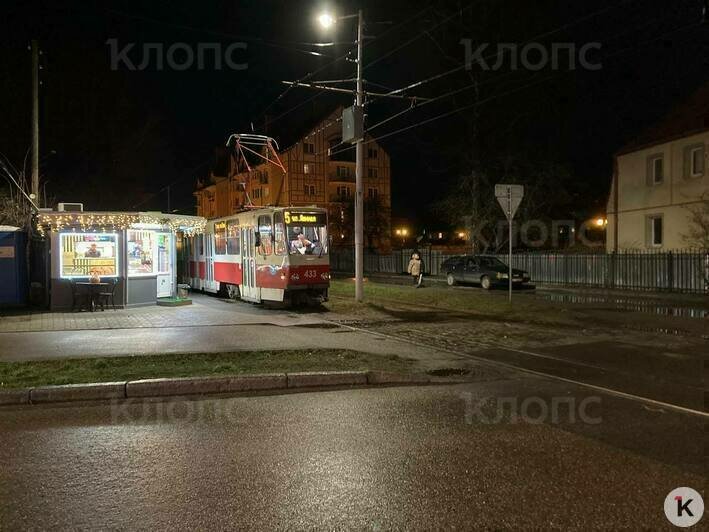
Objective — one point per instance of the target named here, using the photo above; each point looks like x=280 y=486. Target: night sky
x=114 y=139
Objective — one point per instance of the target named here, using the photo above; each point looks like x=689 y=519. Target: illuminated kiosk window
x=84 y=253
x=164 y=252
x=141 y=244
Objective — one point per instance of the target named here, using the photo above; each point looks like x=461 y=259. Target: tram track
x=520 y=367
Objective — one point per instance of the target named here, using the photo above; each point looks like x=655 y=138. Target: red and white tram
x=264 y=254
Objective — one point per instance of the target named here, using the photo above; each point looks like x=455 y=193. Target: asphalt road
x=388 y=458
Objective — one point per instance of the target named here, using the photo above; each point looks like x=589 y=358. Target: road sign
x=509 y=197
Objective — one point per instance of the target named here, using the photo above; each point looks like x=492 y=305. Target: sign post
x=509 y=197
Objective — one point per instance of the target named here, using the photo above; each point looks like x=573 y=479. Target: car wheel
x=485 y=282
x=450 y=279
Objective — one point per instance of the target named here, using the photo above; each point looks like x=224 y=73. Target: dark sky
x=115 y=138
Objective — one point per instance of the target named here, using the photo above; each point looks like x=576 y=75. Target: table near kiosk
x=93 y=290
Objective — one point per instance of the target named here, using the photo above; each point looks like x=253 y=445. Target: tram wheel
x=232 y=291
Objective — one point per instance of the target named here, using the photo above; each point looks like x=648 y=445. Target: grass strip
x=122 y=368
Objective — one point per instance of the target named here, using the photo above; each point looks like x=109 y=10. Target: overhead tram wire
x=464 y=66
x=490 y=57
x=340 y=58
x=506 y=93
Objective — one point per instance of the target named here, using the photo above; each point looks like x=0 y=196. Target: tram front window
x=307 y=239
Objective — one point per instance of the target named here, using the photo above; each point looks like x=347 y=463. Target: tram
x=264 y=254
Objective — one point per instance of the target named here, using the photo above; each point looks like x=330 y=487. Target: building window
x=656 y=170
x=257 y=193
x=344 y=171
x=309 y=148
x=372 y=153
x=372 y=193
x=344 y=192
x=696 y=161
x=263 y=177
x=306 y=168
x=372 y=172
x=309 y=190
x=655 y=230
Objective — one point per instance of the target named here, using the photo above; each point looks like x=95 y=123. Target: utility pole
x=359 y=170
x=35 y=120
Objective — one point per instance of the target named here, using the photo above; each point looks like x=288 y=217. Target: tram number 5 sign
x=509 y=197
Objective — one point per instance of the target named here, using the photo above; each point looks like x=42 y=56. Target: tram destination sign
x=318 y=218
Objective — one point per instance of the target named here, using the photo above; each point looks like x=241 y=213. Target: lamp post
x=328 y=20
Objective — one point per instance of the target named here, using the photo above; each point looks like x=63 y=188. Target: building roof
x=688 y=118
x=295 y=131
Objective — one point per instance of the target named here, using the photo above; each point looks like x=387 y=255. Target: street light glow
x=326 y=20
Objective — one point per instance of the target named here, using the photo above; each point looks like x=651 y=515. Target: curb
x=205 y=386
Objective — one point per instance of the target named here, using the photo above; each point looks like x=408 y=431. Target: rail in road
x=669 y=396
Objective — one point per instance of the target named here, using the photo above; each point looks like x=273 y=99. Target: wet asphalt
x=509 y=451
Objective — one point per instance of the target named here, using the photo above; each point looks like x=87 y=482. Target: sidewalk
x=205 y=310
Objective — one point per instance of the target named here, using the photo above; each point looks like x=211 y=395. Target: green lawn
x=84 y=370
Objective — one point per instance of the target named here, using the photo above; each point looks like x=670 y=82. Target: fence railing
x=673 y=271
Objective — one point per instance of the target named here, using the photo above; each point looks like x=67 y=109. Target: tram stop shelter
x=138 y=251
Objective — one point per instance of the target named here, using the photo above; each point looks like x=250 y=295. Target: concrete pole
x=35 y=121
x=359 y=171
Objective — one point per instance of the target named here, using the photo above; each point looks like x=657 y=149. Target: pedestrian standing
x=416 y=268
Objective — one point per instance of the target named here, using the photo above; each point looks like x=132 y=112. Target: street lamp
x=328 y=20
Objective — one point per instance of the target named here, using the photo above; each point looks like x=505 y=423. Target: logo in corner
x=684 y=507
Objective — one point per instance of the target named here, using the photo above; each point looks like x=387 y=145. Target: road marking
x=609 y=391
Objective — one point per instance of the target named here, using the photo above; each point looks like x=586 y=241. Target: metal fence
x=673 y=271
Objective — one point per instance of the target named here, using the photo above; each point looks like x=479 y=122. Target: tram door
x=209 y=283
x=249 y=290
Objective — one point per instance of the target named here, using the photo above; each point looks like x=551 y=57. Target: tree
x=697 y=235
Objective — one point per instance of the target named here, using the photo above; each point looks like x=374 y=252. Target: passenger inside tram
x=306 y=240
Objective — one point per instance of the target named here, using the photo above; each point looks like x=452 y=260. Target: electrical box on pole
x=352 y=124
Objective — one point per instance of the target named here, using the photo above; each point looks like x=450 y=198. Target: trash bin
x=183 y=291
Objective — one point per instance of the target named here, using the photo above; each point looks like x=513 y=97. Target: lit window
x=306 y=168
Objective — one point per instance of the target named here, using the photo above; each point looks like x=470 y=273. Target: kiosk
x=136 y=249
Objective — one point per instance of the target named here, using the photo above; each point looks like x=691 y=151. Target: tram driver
x=301 y=244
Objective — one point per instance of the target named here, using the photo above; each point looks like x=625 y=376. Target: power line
x=344 y=56
x=506 y=93
x=495 y=78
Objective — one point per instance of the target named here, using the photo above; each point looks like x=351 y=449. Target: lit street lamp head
x=326 y=20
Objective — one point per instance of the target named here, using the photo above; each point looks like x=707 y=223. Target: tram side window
x=233 y=238
x=265 y=230
x=220 y=238
x=280 y=232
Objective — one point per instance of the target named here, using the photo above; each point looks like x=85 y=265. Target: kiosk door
x=249 y=290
